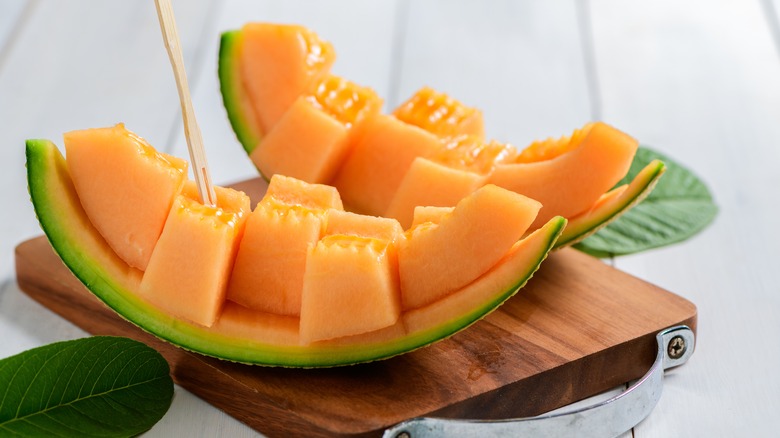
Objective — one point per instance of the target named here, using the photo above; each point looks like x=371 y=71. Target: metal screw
x=676 y=347
x=403 y=434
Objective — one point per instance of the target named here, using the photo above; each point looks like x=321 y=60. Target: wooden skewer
x=191 y=130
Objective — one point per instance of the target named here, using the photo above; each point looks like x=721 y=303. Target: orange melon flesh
x=312 y=137
x=378 y=161
x=437 y=259
x=426 y=213
x=429 y=183
x=278 y=64
x=188 y=272
x=275 y=244
x=353 y=224
x=570 y=183
x=291 y=191
x=440 y=114
x=114 y=171
x=450 y=175
x=242 y=334
x=350 y=287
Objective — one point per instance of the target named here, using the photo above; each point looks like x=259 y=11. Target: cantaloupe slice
x=279 y=63
x=447 y=176
x=276 y=241
x=188 y=272
x=115 y=171
x=242 y=334
x=481 y=228
x=388 y=145
x=350 y=287
x=312 y=138
x=440 y=114
x=352 y=224
x=611 y=205
x=379 y=177
x=570 y=174
x=427 y=213
x=378 y=161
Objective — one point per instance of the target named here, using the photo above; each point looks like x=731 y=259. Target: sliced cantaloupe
x=352 y=224
x=388 y=145
x=276 y=240
x=440 y=114
x=570 y=174
x=386 y=164
x=481 y=228
x=235 y=96
x=312 y=137
x=611 y=205
x=423 y=214
x=188 y=272
x=245 y=335
x=350 y=287
x=279 y=63
x=378 y=161
x=115 y=171
x=448 y=176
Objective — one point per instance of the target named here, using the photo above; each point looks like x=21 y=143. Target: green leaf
x=98 y=386
x=679 y=207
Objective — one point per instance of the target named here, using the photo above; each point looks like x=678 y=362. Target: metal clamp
x=606 y=419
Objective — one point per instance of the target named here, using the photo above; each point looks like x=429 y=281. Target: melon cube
x=353 y=224
x=440 y=114
x=427 y=213
x=350 y=287
x=285 y=190
x=280 y=62
x=190 y=267
x=378 y=161
x=437 y=259
x=269 y=267
x=125 y=187
x=310 y=141
x=268 y=273
x=428 y=183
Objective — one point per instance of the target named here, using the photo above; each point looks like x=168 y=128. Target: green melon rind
x=641 y=186
x=232 y=90
x=86 y=254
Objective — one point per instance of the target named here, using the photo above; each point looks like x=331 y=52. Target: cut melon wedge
x=248 y=336
x=611 y=205
x=394 y=162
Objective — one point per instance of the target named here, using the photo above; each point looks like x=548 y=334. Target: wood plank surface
x=579 y=328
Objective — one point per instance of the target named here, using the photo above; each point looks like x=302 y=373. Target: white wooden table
x=698 y=80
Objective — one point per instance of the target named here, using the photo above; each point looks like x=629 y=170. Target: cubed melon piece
x=353 y=224
x=437 y=259
x=188 y=272
x=378 y=161
x=125 y=187
x=269 y=267
x=427 y=213
x=285 y=190
x=310 y=141
x=440 y=114
x=448 y=176
x=568 y=175
x=349 y=288
x=429 y=183
x=279 y=63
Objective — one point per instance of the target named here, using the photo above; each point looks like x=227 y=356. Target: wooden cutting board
x=577 y=329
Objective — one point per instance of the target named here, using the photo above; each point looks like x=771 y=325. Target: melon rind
x=616 y=202
x=91 y=260
x=239 y=112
